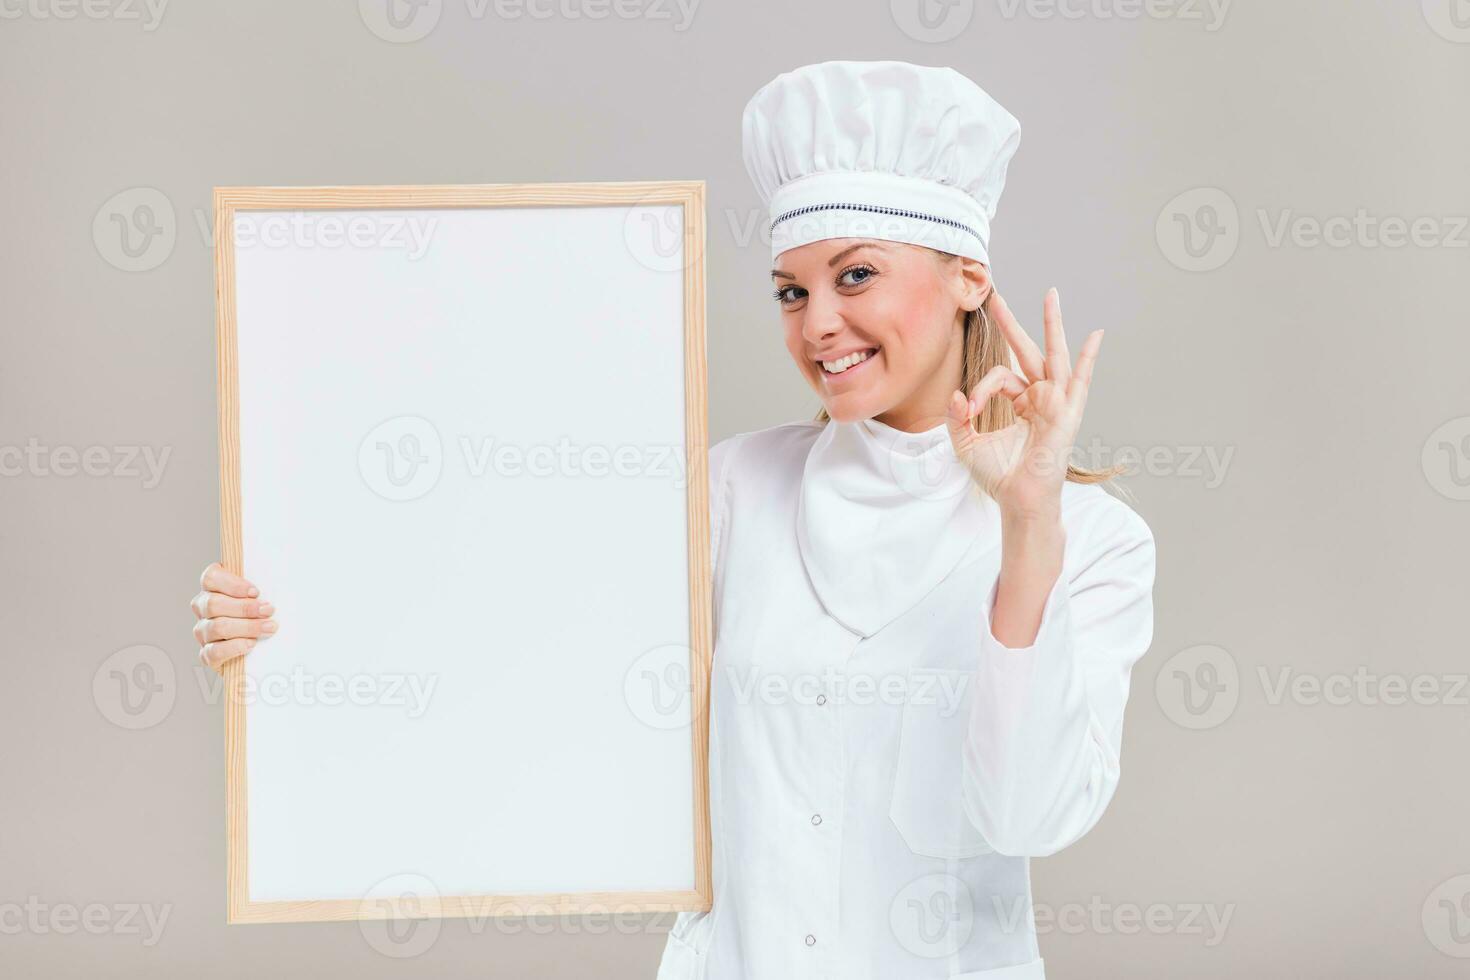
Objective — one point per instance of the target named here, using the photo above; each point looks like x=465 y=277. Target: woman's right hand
x=231 y=616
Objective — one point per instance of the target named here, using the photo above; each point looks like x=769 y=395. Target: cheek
x=915 y=327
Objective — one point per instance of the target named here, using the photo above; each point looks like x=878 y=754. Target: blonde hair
x=985 y=347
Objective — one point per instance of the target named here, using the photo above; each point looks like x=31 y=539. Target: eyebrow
x=836 y=258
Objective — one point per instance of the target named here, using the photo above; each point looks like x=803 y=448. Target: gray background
x=1328 y=382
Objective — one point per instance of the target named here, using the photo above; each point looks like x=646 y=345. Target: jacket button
x=816 y=819
x=821 y=699
x=811 y=940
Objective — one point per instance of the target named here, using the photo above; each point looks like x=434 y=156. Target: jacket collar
x=883 y=517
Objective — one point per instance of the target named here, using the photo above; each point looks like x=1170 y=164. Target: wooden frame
x=228 y=201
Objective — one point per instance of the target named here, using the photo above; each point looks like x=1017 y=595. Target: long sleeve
x=721 y=454
x=1041 y=756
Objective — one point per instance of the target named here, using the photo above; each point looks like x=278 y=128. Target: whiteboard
x=464 y=453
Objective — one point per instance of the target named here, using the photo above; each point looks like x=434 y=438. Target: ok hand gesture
x=1023 y=466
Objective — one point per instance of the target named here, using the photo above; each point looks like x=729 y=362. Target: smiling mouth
x=844 y=364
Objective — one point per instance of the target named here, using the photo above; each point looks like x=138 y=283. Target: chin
x=846 y=408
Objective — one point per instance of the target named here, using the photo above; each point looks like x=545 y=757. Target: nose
x=823 y=319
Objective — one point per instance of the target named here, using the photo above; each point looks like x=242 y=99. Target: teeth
x=843 y=363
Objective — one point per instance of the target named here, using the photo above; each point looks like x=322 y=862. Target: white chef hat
x=878 y=149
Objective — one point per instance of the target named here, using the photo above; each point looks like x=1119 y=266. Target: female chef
x=925 y=618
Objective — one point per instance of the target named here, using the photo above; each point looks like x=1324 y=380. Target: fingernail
x=267 y=608
x=254 y=592
x=269 y=626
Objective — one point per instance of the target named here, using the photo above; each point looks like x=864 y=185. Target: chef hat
x=878 y=149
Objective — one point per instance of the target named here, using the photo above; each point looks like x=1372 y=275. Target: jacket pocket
x=681 y=961
x=928 y=805
x=1022 y=971
x=687 y=947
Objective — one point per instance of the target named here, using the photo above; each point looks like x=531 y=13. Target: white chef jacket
x=881 y=767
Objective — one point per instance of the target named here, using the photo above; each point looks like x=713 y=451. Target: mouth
x=848 y=365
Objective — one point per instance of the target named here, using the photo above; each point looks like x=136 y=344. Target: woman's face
x=876 y=327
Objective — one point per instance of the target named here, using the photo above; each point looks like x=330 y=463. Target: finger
x=207 y=605
x=1028 y=355
x=1082 y=376
x=217 y=578
x=999 y=380
x=231 y=628
x=1058 y=358
x=217 y=655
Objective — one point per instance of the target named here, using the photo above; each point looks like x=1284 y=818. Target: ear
x=975 y=284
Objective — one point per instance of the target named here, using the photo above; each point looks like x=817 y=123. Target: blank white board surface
x=463 y=445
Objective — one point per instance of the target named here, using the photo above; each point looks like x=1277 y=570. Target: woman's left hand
x=1023 y=466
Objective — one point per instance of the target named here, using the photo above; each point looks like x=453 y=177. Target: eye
x=856 y=275
x=789 y=294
